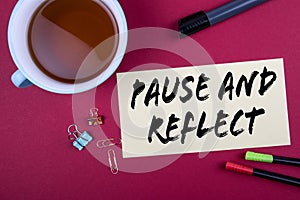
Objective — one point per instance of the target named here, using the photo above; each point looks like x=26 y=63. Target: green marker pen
x=260 y=157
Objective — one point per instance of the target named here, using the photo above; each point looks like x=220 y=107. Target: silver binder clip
x=80 y=139
x=112 y=161
x=108 y=142
x=94 y=119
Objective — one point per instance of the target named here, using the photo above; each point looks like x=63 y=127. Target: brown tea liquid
x=72 y=40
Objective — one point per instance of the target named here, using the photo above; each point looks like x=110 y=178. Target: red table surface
x=38 y=162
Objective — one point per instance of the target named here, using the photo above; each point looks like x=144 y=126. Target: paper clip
x=113 y=165
x=108 y=142
x=94 y=119
x=80 y=139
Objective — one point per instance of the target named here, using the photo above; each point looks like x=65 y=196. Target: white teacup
x=28 y=73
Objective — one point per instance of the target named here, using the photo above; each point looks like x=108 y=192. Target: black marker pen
x=201 y=20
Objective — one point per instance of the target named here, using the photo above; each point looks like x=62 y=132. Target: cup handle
x=19 y=80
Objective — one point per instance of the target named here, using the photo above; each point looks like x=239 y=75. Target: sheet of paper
x=203 y=108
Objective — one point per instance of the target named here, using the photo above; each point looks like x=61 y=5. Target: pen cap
x=259 y=157
x=239 y=168
x=193 y=23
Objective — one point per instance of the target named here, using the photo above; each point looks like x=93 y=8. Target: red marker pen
x=262 y=173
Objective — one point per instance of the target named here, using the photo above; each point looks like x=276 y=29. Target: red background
x=37 y=161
